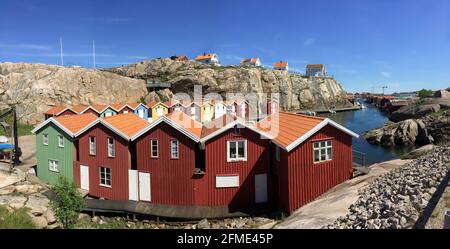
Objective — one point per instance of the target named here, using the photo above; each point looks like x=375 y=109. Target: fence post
x=447 y=220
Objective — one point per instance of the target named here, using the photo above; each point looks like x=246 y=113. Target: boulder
x=50 y=216
x=442 y=94
x=37 y=204
x=419 y=152
x=204 y=224
x=413 y=112
x=39 y=221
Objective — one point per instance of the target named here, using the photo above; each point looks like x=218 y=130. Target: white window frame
x=111 y=147
x=60 y=141
x=45 y=139
x=237 y=159
x=103 y=175
x=151 y=148
x=319 y=146
x=125 y=112
x=92 y=146
x=108 y=114
x=175 y=155
x=53 y=165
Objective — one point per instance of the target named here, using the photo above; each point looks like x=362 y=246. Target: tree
x=67 y=202
x=424 y=93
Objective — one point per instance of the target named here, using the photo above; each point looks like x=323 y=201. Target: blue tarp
x=6 y=146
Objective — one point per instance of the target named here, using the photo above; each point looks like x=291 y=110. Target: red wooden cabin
x=312 y=155
x=58 y=111
x=104 y=156
x=122 y=108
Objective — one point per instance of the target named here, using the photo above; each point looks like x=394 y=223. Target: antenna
x=62 y=55
x=93 y=51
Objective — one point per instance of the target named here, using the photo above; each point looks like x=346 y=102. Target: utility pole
x=61 y=46
x=93 y=52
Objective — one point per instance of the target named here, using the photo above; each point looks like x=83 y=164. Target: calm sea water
x=361 y=121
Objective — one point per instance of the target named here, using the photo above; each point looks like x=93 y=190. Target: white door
x=141 y=113
x=160 y=112
x=261 y=188
x=144 y=186
x=84 y=177
x=133 y=185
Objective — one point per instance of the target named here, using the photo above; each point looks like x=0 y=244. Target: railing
x=359 y=158
x=151 y=83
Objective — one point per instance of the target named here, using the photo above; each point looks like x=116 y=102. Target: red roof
x=315 y=66
x=205 y=56
x=280 y=64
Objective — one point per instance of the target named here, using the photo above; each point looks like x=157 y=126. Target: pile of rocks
x=398 y=198
x=231 y=223
x=25 y=194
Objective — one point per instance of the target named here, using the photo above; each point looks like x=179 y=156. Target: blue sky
x=404 y=44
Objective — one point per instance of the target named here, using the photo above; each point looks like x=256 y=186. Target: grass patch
x=86 y=223
x=18 y=219
x=22 y=129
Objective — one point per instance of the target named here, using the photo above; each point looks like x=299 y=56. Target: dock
x=344 y=109
x=172 y=211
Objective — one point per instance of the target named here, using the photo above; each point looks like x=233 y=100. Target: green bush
x=18 y=219
x=67 y=202
x=425 y=93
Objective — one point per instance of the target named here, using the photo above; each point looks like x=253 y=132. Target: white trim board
x=314 y=130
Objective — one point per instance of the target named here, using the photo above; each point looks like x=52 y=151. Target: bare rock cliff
x=34 y=88
x=297 y=92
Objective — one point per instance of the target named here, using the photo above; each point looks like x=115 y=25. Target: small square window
x=53 y=165
x=105 y=176
x=45 y=139
x=60 y=141
x=323 y=151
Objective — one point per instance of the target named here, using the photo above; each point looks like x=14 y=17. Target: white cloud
x=308 y=42
x=386 y=74
x=29 y=46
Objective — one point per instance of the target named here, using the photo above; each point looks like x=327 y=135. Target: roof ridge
x=302 y=115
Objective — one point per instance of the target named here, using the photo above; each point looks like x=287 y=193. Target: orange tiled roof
x=75 y=123
x=288 y=127
x=117 y=106
x=315 y=66
x=217 y=124
x=186 y=122
x=204 y=56
x=154 y=103
x=79 y=108
x=99 y=108
x=280 y=64
x=55 y=110
x=253 y=60
x=129 y=124
x=133 y=105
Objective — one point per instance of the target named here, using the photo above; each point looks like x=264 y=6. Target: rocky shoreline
x=399 y=198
